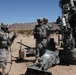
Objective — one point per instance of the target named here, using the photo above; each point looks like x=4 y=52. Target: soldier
x=39 y=34
x=47 y=26
x=48 y=32
x=5 y=42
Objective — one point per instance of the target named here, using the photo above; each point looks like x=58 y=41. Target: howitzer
x=42 y=64
x=68 y=27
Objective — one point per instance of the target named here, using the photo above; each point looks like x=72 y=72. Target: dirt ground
x=19 y=67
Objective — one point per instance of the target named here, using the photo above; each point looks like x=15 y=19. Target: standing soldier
x=50 y=41
x=47 y=26
x=39 y=34
x=5 y=42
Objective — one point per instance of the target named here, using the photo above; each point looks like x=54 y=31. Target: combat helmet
x=45 y=19
x=39 y=20
x=4 y=25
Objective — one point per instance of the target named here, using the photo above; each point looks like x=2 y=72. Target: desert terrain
x=20 y=67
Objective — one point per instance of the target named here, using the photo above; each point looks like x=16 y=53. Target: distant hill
x=29 y=26
x=22 y=26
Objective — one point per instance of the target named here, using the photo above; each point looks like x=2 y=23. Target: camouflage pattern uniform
x=48 y=30
x=5 y=42
x=39 y=34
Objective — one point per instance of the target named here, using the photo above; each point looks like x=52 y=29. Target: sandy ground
x=19 y=67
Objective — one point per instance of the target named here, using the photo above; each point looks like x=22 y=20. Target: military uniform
x=5 y=42
x=48 y=31
x=47 y=26
x=39 y=34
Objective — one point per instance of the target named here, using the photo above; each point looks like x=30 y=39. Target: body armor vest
x=3 y=39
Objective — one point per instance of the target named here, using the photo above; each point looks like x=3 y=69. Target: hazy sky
x=22 y=11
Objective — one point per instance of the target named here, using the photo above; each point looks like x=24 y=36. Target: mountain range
x=29 y=26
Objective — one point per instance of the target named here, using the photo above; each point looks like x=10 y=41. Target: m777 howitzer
x=42 y=64
x=68 y=28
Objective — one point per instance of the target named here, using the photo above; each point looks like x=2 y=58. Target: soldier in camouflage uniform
x=50 y=44
x=47 y=26
x=5 y=42
x=39 y=34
